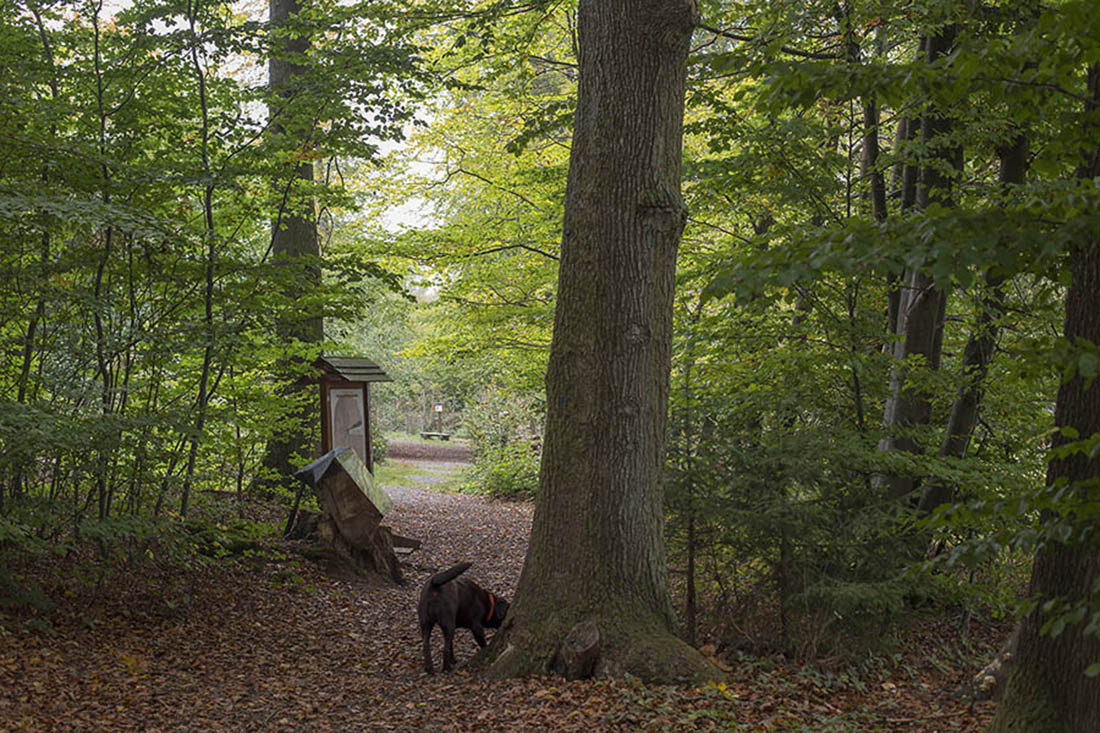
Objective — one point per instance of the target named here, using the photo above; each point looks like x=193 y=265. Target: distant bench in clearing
x=430 y=436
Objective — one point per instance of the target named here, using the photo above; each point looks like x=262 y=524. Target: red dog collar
x=492 y=605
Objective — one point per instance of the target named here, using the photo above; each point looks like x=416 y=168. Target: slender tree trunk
x=690 y=442
x=690 y=602
x=979 y=348
x=101 y=290
x=872 y=171
x=596 y=553
x=210 y=240
x=910 y=172
x=23 y=380
x=870 y=159
x=294 y=236
x=903 y=183
x=921 y=305
x=1047 y=689
x=869 y=169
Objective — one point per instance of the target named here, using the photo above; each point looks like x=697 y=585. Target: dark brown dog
x=454 y=602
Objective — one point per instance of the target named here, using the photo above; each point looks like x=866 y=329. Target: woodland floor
x=278 y=644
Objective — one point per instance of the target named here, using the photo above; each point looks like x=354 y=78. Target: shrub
x=505 y=441
x=509 y=471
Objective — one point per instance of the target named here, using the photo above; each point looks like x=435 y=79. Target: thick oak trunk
x=596 y=552
x=1047 y=689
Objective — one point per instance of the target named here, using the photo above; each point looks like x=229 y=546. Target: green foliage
x=505 y=438
x=140 y=306
x=782 y=361
x=289 y=575
x=482 y=253
x=143 y=175
x=510 y=471
x=24 y=601
x=20 y=598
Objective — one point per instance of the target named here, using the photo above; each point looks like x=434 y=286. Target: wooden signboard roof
x=352 y=368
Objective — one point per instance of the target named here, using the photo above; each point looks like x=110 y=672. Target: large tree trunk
x=596 y=552
x=293 y=237
x=1047 y=689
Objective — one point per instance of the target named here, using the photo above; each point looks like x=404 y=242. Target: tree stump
x=305 y=525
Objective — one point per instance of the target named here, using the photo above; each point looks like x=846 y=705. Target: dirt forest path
x=281 y=645
x=289 y=648
x=454 y=527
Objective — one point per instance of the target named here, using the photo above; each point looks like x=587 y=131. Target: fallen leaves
x=247 y=654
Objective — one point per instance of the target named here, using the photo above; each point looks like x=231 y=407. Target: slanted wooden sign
x=354 y=505
x=348 y=493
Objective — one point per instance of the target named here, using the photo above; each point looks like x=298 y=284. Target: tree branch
x=493 y=250
x=497 y=186
x=785 y=49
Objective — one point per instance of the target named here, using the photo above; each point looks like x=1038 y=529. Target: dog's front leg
x=427 y=635
x=448 y=647
x=479 y=635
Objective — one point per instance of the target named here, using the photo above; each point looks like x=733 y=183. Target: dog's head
x=497 y=611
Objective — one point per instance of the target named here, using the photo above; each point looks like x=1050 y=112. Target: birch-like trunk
x=921 y=305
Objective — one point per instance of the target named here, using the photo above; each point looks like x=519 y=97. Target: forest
x=765 y=338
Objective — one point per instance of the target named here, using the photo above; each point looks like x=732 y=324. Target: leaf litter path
x=284 y=647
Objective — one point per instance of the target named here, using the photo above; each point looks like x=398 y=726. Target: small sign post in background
x=437 y=424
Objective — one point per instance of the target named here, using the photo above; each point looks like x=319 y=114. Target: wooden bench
x=430 y=436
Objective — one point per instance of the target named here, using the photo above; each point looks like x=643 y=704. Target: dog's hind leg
x=448 y=646
x=426 y=633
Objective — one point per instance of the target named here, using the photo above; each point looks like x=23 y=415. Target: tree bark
x=210 y=241
x=1047 y=689
x=979 y=347
x=293 y=237
x=921 y=306
x=689 y=439
x=904 y=188
x=596 y=552
x=15 y=484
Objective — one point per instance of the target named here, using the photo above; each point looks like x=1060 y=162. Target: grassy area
x=395 y=435
x=397 y=472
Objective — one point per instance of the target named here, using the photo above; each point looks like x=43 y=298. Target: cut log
x=990 y=682
x=403 y=545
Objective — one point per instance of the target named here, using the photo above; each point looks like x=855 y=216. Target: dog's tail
x=446 y=576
